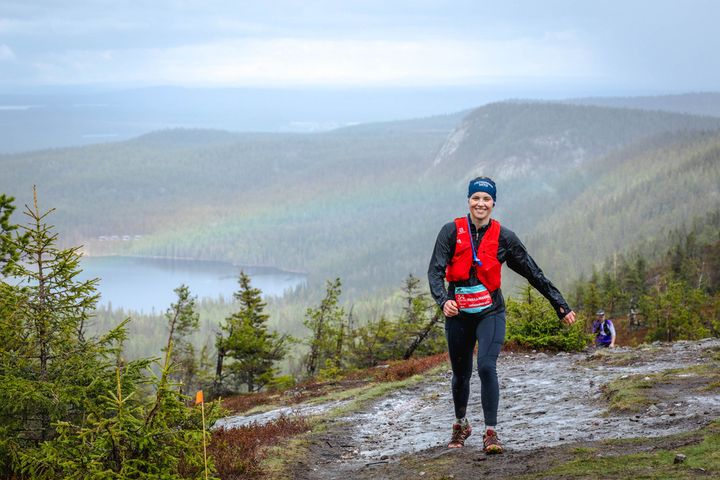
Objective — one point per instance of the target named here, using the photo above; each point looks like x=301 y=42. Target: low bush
x=532 y=323
x=407 y=368
x=238 y=452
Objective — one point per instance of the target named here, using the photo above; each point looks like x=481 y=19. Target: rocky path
x=546 y=400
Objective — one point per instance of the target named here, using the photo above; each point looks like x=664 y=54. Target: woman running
x=469 y=253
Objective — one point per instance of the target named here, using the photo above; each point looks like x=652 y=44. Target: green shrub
x=532 y=323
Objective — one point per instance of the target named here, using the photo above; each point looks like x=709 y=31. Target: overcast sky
x=653 y=45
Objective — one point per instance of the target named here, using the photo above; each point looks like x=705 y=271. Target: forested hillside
x=365 y=202
x=632 y=198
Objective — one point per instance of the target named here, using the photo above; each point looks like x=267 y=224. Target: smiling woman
x=469 y=253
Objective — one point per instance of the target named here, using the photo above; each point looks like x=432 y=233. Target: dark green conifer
x=251 y=348
x=325 y=324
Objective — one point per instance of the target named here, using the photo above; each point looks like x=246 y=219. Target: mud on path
x=547 y=401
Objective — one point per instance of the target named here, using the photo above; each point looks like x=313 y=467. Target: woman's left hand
x=569 y=319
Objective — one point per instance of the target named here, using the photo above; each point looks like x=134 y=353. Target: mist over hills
x=65 y=117
x=365 y=202
x=73 y=117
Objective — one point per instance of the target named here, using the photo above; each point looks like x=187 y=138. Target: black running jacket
x=510 y=250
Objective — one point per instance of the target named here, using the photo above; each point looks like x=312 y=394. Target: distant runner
x=604 y=330
x=469 y=253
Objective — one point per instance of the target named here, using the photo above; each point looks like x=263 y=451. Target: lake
x=147 y=284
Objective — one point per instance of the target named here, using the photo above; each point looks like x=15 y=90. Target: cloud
x=343 y=62
x=6 y=53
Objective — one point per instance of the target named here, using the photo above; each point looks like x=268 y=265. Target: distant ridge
x=511 y=140
x=701 y=103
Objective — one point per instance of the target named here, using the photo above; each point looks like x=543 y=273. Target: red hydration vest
x=459 y=267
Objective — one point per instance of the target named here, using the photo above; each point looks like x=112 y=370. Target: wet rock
x=680 y=458
x=653 y=410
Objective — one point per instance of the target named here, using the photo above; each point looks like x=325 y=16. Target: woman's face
x=481 y=205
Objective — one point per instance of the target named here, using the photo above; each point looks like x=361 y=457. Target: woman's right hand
x=450 y=308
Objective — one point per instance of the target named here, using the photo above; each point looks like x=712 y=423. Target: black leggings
x=462 y=331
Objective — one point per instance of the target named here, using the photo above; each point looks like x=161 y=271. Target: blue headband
x=482 y=185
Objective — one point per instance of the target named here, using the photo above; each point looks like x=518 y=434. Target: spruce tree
x=371 y=343
x=532 y=323
x=251 y=348
x=325 y=324
x=47 y=366
x=419 y=321
x=70 y=407
x=183 y=321
x=9 y=243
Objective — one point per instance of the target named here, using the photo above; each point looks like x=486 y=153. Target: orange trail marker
x=199 y=398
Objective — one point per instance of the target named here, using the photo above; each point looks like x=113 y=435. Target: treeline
x=247 y=352
x=674 y=294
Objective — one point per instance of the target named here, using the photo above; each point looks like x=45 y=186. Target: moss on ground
x=634 y=393
x=702 y=449
x=630 y=394
x=610 y=357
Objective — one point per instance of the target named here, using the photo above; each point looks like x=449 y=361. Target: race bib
x=473 y=299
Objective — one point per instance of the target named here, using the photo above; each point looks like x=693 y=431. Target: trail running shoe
x=491 y=443
x=459 y=435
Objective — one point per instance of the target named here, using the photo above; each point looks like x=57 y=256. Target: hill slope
x=632 y=196
x=363 y=202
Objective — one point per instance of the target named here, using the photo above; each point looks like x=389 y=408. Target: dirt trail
x=546 y=400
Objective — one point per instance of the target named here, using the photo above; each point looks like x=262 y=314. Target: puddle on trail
x=545 y=400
